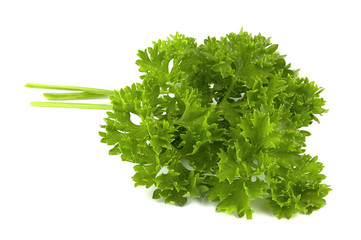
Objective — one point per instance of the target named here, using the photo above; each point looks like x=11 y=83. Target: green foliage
x=220 y=120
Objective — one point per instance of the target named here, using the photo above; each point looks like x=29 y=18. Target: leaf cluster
x=221 y=120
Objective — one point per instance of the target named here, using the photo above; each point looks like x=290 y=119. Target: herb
x=220 y=120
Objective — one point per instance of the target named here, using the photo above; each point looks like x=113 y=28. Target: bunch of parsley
x=221 y=120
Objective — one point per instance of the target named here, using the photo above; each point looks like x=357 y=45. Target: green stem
x=239 y=103
x=70 y=88
x=73 y=96
x=230 y=89
x=73 y=105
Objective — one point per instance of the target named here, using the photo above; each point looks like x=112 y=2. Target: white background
x=56 y=178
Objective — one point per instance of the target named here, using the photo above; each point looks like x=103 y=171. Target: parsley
x=221 y=120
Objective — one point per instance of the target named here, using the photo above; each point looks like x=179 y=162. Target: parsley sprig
x=222 y=120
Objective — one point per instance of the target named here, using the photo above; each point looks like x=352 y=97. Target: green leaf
x=145 y=175
x=236 y=199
